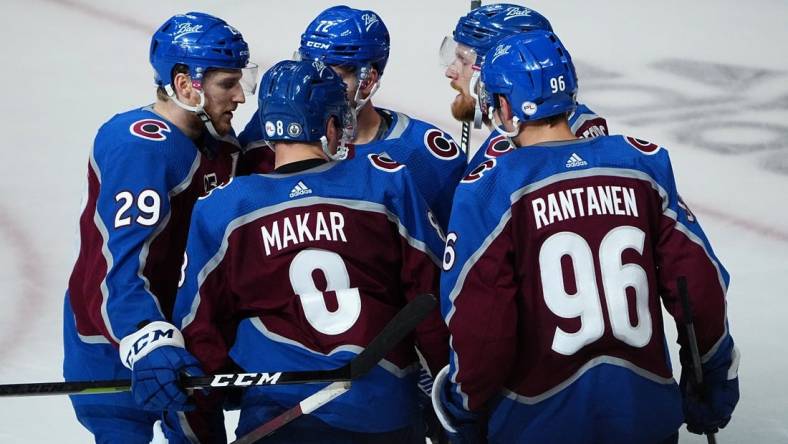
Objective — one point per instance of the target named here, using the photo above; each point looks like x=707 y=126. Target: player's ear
x=182 y=83
x=332 y=132
x=505 y=108
x=372 y=78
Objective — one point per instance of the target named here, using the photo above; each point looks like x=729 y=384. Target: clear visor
x=453 y=54
x=297 y=56
x=249 y=79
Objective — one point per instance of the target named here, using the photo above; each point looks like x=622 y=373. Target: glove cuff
x=150 y=337
x=437 y=387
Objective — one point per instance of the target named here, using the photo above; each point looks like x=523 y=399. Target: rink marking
x=102 y=14
x=745 y=224
x=28 y=267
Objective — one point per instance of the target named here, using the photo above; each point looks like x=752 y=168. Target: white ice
x=707 y=79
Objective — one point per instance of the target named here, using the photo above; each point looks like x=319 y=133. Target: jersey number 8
x=585 y=303
x=313 y=302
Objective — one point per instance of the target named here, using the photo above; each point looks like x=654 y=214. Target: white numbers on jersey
x=585 y=302
x=449 y=254
x=148 y=203
x=557 y=84
x=313 y=302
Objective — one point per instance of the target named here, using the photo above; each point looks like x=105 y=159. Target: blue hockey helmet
x=200 y=42
x=344 y=36
x=296 y=101
x=483 y=27
x=534 y=72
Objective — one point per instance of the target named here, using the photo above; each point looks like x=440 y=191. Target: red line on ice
x=29 y=265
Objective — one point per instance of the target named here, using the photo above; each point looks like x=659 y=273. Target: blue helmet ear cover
x=535 y=73
x=349 y=37
x=484 y=27
x=297 y=99
x=200 y=42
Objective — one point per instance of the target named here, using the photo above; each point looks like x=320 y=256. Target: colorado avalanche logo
x=642 y=145
x=150 y=129
x=440 y=145
x=383 y=163
x=479 y=171
x=499 y=145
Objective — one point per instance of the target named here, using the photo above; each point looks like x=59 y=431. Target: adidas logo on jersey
x=299 y=190
x=575 y=161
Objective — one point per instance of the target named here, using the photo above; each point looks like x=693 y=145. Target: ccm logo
x=317 y=45
x=245 y=379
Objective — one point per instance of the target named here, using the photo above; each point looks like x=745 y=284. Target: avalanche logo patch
x=441 y=145
x=479 y=171
x=642 y=145
x=383 y=163
x=498 y=145
x=150 y=129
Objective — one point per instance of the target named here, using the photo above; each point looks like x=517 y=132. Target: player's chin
x=463 y=108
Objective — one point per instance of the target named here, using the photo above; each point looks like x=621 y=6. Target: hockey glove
x=709 y=409
x=462 y=426
x=157 y=359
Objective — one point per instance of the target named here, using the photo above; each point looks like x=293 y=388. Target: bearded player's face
x=460 y=71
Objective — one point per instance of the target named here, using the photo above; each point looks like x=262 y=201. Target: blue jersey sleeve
x=133 y=207
x=203 y=298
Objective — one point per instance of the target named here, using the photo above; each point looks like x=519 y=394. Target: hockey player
x=355 y=43
x=301 y=268
x=555 y=276
x=462 y=54
x=146 y=170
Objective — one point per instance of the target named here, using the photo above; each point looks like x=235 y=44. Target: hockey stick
x=697 y=370
x=465 y=135
x=395 y=330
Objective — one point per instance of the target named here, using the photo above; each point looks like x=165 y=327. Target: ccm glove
x=709 y=409
x=157 y=359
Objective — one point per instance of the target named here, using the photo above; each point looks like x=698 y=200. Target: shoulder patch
x=384 y=163
x=643 y=146
x=150 y=129
x=441 y=145
x=479 y=171
x=498 y=146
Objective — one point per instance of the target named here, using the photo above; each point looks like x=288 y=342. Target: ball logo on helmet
x=500 y=50
x=186 y=28
x=294 y=130
x=529 y=108
x=515 y=11
x=319 y=66
x=369 y=20
x=150 y=129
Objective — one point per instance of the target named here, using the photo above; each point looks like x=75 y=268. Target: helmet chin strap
x=362 y=76
x=197 y=109
x=498 y=125
x=341 y=153
x=477 y=110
